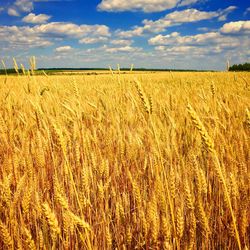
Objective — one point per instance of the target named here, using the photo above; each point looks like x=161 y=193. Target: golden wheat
x=82 y=167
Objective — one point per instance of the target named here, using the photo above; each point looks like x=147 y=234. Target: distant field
x=93 y=71
x=139 y=160
x=81 y=72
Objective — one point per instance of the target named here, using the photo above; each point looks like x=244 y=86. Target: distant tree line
x=240 y=67
x=8 y=71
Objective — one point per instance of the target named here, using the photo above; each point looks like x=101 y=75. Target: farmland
x=125 y=161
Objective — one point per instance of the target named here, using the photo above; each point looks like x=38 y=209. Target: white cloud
x=20 y=6
x=160 y=39
x=122 y=42
x=199 y=40
x=224 y=13
x=106 y=50
x=136 y=31
x=72 y=30
x=64 y=49
x=142 y=5
x=24 y=5
x=173 y=19
x=93 y=40
x=14 y=37
x=32 y=18
x=125 y=49
x=43 y=35
x=194 y=15
x=187 y=2
x=176 y=50
x=240 y=27
x=12 y=12
x=1 y=9
x=192 y=54
x=200 y=45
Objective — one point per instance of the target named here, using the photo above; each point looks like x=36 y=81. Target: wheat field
x=125 y=161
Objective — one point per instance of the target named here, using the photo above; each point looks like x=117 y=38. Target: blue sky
x=188 y=34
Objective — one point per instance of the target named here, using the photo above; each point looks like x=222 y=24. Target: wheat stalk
x=144 y=99
x=16 y=66
x=217 y=166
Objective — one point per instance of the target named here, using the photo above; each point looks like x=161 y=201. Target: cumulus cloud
x=142 y=5
x=32 y=18
x=21 y=38
x=199 y=40
x=240 y=27
x=174 y=19
x=44 y=35
x=93 y=40
x=20 y=6
x=23 y=6
x=73 y=30
x=12 y=12
x=194 y=15
x=161 y=39
x=124 y=49
x=187 y=2
x=64 y=49
x=106 y=50
x=122 y=42
x=191 y=54
x=136 y=31
x=206 y=44
x=178 y=50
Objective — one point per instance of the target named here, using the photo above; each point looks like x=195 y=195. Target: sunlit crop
x=125 y=161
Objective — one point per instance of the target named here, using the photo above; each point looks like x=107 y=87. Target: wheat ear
x=217 y=166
